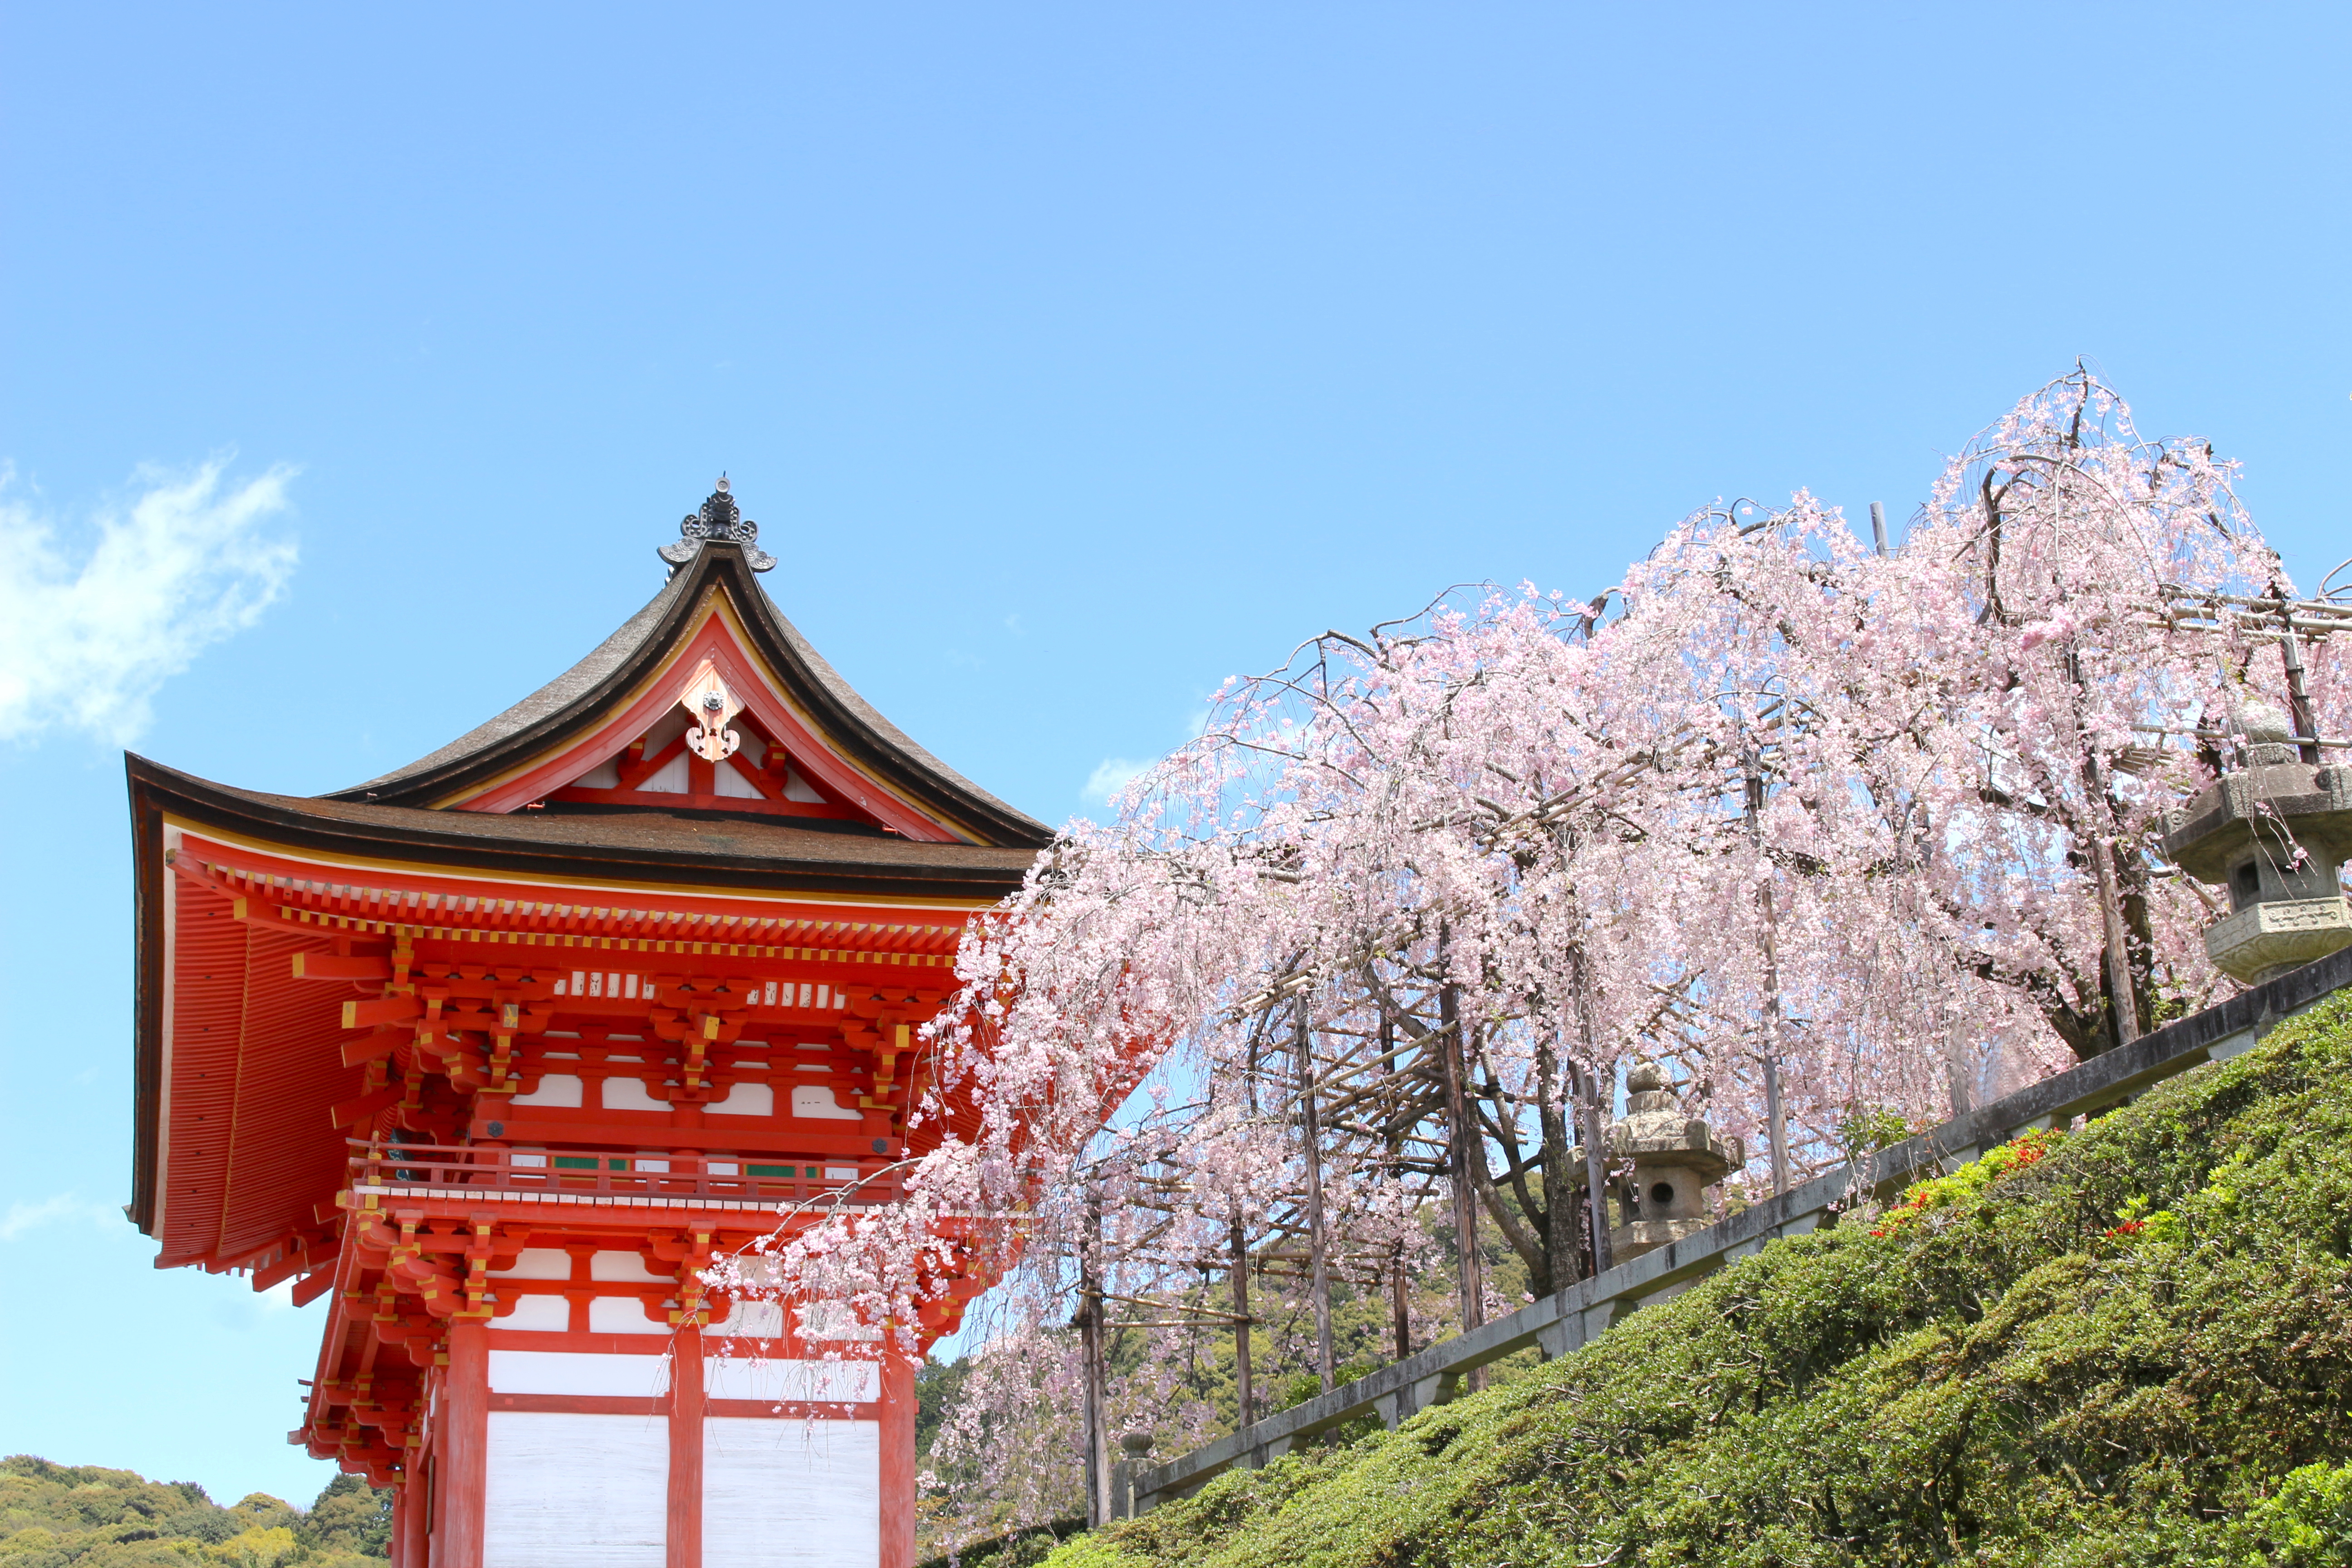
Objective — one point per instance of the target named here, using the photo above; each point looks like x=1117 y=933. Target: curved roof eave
x=581 y=695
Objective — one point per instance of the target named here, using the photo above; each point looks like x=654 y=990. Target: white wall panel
x=578 y=1371
x=744 y=1100
x=558 y=1088
x=537 y=1263
x=758 y=1377
x=577 y=1492
x=540 y=1314
x=817 y=1099
x=629 y=1094
x=790 y=1494
x=622 y=1315
x=754 y=1320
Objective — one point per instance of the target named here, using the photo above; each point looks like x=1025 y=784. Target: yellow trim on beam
x=675 y=889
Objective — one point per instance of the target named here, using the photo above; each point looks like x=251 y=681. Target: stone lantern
x=2276 y=833
x=1675 y=1159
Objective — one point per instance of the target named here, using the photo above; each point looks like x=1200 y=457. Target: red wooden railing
x=764 y=1179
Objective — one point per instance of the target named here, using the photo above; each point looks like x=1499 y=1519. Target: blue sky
x=1071 y=358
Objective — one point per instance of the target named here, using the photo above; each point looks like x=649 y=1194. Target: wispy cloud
x=62 y=1209
x=188 y=561
x=1111 y=776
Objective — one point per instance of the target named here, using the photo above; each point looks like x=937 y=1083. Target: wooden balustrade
x=682 y=1178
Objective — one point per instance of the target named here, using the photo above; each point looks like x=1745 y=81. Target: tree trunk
x=1399 y=1300
x=1091 y=1349
x=1776 y=1111
x=2123 y=1007
x=2300 y=711
x=1584 y=1083
x=1311 y=1141
x=1586 y=1086
x=1401 y=1304
x=1559 y=1183
x=1460 y=1130
x=1239 y=1276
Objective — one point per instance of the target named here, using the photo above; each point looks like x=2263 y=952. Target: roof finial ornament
x=718 y=521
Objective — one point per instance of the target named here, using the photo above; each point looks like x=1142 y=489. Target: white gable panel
x=629 y=1094
x=744 y=1100
x=670 y=778
x=579 y=1372
x=537 y=1314
x=557 y=1088
x=791 y=1494
x=759 y=1377
x=726 y=779
x=576 y=1491
x=622 y=1315
x=749 y=1319
x=816 y=1099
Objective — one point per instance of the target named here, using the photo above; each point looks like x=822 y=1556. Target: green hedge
x=2135 y=1349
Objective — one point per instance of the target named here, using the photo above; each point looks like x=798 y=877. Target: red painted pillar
x=464 y=1480
x=686 y=1450
x=409 y=1525
x=897 y=1477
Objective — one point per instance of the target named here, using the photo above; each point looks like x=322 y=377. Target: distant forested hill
x=55 y=1515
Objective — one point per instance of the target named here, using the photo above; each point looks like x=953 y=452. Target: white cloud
x=1111 y=776
x=185 y=565
x=65 y=1207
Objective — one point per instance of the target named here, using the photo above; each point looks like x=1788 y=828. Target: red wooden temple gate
x=498 y=1052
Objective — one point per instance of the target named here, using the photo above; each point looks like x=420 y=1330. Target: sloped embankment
x=2135 y=1350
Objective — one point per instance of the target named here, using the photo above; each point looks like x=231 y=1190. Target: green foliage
x=53 y=1516
x=936 y=1383
x=349 y=1516
x=2308 y=1524
x=1015 y=1549
x=2007 y=1375
x=1868 y=1127
x=1943 y=1191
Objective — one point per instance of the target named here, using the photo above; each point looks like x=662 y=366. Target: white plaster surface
x=758 y=1377
x=817 y=1099
x=754 y=1320
x=558 y=1088
x=629 y=1094
x=577 y=1492
x=622 y=1315
x=541 y=1314
x=744 y=1100
x=790 y=1494
x=578 y=1371
x=537 y=1263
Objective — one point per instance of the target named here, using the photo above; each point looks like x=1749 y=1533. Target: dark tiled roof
x=580 y=696
x=747 y=853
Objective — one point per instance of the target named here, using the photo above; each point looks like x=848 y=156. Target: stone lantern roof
x=2276 y=833
x=1676 y=1156
x=1657 y=1131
